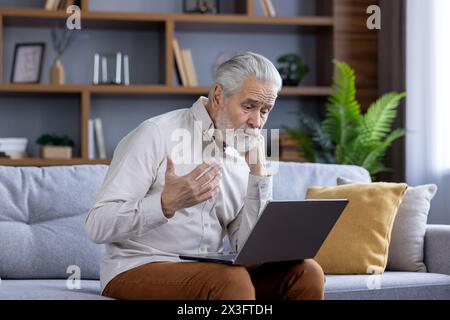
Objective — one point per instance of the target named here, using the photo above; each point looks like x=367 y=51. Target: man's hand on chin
x=256 y=159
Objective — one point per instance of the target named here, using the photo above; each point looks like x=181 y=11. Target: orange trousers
x=293 y=280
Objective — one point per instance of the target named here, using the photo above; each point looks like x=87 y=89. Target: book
x=126 y=70
x=51 y=4
x=64 y=4
x=179 y=62
x=68 y=3
x=118 y=79
x=96 y=68
x=271 y=8
x=289 y=149
x=91 y=140
x=57 y=4
x=100 y=138
x=48 y=4
x=188 y=62
x=264 y=7
x=61 y=5
x=293 y=159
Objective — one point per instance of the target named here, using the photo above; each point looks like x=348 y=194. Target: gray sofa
x=44 y=248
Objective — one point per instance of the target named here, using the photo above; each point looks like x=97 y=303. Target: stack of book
x=58 y=4
x=184 y=65
x=96 y=139
x=268 y=8
x=289 y=149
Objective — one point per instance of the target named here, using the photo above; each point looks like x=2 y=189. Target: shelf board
x=147 y=89
x=50 y=162
x=142 y=89
x=315 y=21
x=306 y=91
x=40 y=88
x=33 y=16
x=32 y=13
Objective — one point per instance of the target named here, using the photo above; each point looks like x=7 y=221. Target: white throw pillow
x=408 y=232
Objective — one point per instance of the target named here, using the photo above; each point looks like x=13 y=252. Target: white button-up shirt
x=126 y=214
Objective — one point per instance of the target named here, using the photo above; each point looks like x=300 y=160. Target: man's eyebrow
x=250 y=100
x=254 y=101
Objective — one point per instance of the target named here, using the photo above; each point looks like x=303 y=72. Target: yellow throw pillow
x=359 y=242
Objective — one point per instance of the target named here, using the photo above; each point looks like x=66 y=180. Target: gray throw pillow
x=408 y=232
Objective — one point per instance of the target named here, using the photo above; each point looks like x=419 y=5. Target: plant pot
x=56 y=152
x=57 y=74
x=291 y=82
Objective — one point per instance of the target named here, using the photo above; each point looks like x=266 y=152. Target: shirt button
x=206 y=225
x=203 y=249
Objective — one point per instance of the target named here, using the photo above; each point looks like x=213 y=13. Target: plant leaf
x=378 y=152
x=378 y=120
x=343 y=110
x=318 y=135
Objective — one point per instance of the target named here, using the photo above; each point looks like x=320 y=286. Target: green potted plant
x=292 y=69
x=346 y=136
x=55 y=147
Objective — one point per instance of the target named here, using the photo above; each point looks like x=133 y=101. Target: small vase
x=57 y=74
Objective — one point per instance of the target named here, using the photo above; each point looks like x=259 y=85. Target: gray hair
x=230 y=74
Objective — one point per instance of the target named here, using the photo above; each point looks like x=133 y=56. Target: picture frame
x=27 y=62
x=201 y=6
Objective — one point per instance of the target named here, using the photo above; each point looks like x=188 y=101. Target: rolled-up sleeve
x=259 y=193
x=123 y=207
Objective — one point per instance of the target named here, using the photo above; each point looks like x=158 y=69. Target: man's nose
x=255 y=120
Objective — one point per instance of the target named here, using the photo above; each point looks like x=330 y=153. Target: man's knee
x=313 y=269
x=313 y=279
x=234 y=283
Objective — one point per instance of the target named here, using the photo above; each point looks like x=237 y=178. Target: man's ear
x=217 y=96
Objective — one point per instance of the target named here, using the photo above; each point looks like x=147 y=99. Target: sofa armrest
x=437 y=248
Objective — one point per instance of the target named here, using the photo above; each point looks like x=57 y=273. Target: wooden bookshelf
x=50 y=162
x=142 y=89
x=322 y=24
x=18 y=16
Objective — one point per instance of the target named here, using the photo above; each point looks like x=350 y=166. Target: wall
x=32 y=115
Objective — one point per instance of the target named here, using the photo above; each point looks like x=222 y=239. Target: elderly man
x=152 y=208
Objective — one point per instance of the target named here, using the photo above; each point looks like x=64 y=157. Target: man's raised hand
x=199 y=185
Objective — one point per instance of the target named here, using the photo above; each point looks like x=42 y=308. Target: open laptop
x=285 y=231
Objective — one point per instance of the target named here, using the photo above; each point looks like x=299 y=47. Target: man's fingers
x=198 y=170
x=208 y=176
x=170 y=168
x=208 y=195
x=212 y=184
x=202 y=168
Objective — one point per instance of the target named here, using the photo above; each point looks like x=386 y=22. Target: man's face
x=248 y=108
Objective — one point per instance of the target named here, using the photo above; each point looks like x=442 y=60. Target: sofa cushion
x=292 y=180
x=42 y=214
x=408 y=234
x=390 y=285
x=49 y=290
x=359 y=241
x=437 y=252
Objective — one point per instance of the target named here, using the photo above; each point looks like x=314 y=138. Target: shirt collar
x=200 y=113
